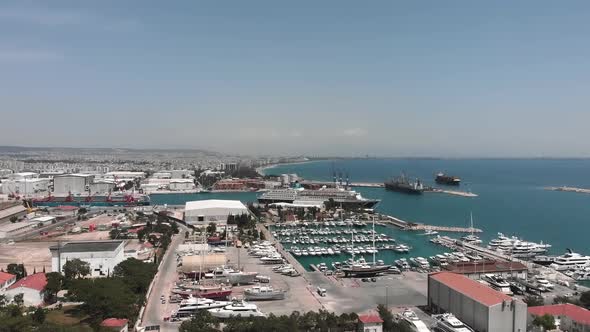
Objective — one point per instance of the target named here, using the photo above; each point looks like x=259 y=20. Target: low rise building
x=6 y=279
x=212 y=210
x=475 y=270
x=102 y=256
x=568 y=317
x=13 y=229
x=477 y=305
x=181 y=184
x=32 y=287
x=370 y=323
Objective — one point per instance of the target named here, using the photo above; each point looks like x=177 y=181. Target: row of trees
x=309 y=321
x=119 y=295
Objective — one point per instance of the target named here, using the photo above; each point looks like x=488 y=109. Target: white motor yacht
x=449 y=323
x=415 y=323
x=238 y=309
x=570 y=261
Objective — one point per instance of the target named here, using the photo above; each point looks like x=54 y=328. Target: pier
x=423 y=227
x=488 y=253
x=569 y=189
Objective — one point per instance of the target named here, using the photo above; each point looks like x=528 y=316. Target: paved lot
x=34 y=255
x=300 y=294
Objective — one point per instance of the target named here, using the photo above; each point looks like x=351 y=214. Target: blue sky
x=391 y=78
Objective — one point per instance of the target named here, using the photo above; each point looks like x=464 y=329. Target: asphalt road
x=155 y=311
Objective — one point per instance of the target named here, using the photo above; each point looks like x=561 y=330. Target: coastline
x=260 y=170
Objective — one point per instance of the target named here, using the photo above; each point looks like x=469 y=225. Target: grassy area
x=68 y=316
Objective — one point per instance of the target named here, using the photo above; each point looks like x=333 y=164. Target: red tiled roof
x=577 y=314
x=471 y=288
x=370 y=319
x=34 y=281
x=114 y=322
x=4 y=277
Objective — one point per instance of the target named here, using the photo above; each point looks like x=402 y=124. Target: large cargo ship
x=110 y=199
x=450 y=180
x=340 y=196
x=403 y=185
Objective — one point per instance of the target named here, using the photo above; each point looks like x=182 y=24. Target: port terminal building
x=475 y=304
x=102 y=256
x=212 y=210
x=476 y=270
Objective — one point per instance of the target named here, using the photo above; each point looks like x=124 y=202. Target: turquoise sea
x=511 y=196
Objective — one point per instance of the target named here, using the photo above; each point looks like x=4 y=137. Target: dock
x=423 y=227
x=488 y=253
x=569 y=189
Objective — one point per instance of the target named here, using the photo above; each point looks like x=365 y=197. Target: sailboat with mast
x=471 y=238
x=360 y=268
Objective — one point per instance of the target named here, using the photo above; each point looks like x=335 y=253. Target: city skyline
x=333 y=79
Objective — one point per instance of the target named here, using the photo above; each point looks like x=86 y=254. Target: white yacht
x=261 y=293
x=191 y=305
x=570 y=261
x=449 y=323
x=415 y=323
x=498 y=283
x=237 y=308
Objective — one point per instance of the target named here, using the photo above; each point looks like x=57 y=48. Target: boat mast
x=352 y=238
x=374 y=249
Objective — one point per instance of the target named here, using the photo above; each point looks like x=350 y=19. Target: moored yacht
x=449 y=323
x=262 y=293
x=414 y=321
x=570 y=261
x=238 y=309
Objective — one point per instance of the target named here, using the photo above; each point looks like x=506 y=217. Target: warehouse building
x=6 y=279
x=477 y=305
x=102 y=187
x=102 y=256
x=72 y=183
x=212 y=210
x=26 y=186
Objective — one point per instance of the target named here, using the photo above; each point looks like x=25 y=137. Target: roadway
x=165 y=278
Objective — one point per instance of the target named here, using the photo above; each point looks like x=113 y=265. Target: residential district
x=84 y=248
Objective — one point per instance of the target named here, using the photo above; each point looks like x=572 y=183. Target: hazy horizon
x=335 y=78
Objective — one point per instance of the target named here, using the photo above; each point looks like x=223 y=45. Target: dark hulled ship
x=403 y=185
x=450 y=180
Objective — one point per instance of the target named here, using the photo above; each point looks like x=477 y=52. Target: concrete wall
x=508 y=317
x=101 y=263
x=181 y=185
x=24 y=186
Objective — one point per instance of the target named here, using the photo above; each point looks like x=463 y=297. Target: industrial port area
x=301 y=246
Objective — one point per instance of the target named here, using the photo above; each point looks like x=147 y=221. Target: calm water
x=511 y=196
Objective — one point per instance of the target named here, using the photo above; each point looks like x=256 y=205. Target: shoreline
x=260 y=170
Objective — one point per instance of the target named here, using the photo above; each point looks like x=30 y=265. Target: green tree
x=186 y=234
x=76 y=268
x=547 y=322
x=19 y=299
x=38 y=316
x=585 y=299
x=82 y=211
x=13 y=219
x=201 y=322
x=211 y=228
x=174 y=227
x=17 y=269
x=534 y=301
x=136 y=274
x=54 y=285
